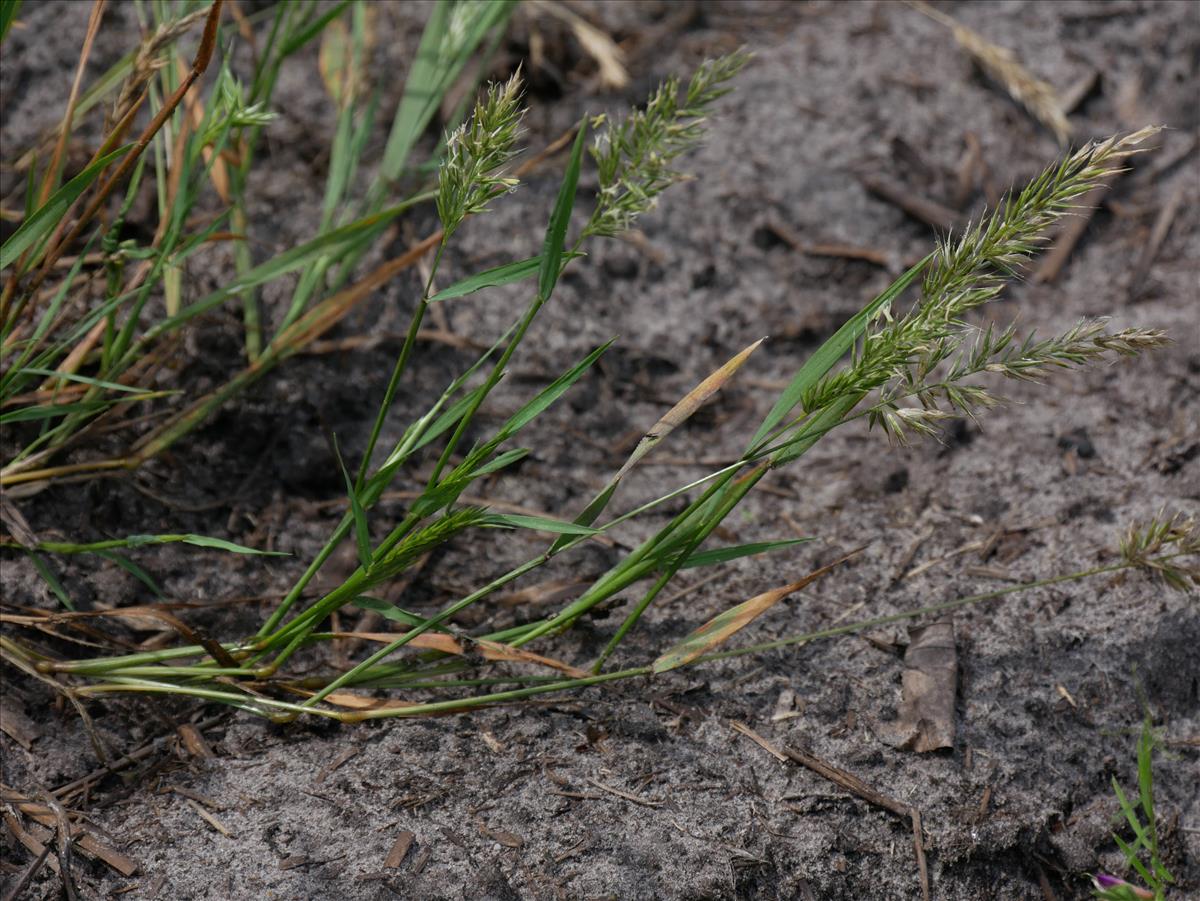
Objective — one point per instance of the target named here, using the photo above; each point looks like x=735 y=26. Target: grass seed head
x=635 y=155
x=477 y=151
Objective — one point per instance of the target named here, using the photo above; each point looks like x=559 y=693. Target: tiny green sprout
x=1153 y=871
x=1110 y=888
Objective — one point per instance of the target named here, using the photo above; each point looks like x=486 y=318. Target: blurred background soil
x=642 y=790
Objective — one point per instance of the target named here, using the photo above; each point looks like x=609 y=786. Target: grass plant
x=905 y=369
x=1153 y=871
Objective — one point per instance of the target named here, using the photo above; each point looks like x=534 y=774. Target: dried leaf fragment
x=926 y=720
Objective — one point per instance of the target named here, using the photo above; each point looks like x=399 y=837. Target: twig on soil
x=209 y=818
x=920 y=208
x=855 y=786
x=80 y=837
x=929 y=564
x=68 y=791
x=907 y=557
x=1162 y=226
x=333 y=765
x=27 y=875
x=969 y=170
x=628 y=796
x=1002 y=65
x=1074 y=96
x=834 y=249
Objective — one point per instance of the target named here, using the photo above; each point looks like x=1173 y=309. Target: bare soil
x=642 y=789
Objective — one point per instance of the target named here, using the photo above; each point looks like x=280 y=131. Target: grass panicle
x=634 y=155
x=1157 y=544
x=476 y=153
x=901 y=355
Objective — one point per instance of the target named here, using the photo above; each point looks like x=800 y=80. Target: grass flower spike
x=634 y=156
x=476 y=153
x=908 y=356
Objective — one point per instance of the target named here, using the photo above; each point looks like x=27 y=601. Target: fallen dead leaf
x=926 y=721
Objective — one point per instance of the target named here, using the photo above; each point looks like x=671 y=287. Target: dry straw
x=1002 y=65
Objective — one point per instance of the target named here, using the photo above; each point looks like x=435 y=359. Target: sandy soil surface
x=642 y=789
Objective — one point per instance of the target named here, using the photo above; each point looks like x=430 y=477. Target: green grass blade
x=824 y=358
x=392 y=612
x=314 y=28
x=45 y=411
x=362 y=532
x=1131 y=817
x=725 y=554
x=491 y=278
x=133 y=569
x=8 y=14
x=85 y=380
x=333 y=243
x=536 y=524
x=132 y=541
x=220 y=544
x=550 y=394
x=51 y=580
x=447 y=491
x=1131 y=857
x=40 y=224
x=432 y=73
x=556 y=231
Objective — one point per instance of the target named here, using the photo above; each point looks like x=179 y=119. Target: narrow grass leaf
x=447 y=491
x=47 y=411
x=51 y=580
x=1145 y=772
x=362 y=532
x=536 y=523
x=334 y=243
x=491 y=278
x=133 y=569
x=722 y=626
x=500 y=462
x=725 y=554
x=306 y=34
x=824 y=358
x=106 y=83
x=449 y=417
x=52 y=211
x=391 y=612
x=132 y=541
x=8 y=15
x=220 y=544
x=550 y=393
x=590 y=512
x=85 y=380
x=556 y=231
